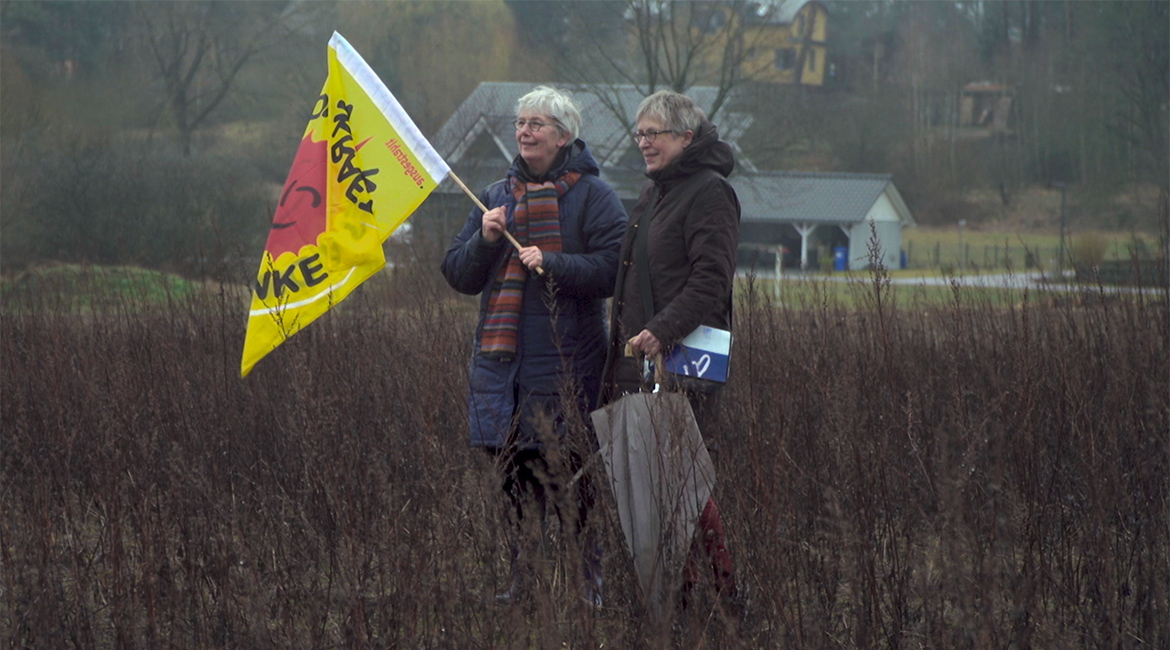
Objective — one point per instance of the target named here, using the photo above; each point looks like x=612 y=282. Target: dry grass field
x=954 y=475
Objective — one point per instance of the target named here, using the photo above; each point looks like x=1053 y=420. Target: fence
x=956 y=257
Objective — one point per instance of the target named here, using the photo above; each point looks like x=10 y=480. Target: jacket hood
x=573 y=157
x=706 y=151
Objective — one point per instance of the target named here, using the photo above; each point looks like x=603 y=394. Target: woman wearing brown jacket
x=680 y=247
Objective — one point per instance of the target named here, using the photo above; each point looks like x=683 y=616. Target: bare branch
x=201 y=51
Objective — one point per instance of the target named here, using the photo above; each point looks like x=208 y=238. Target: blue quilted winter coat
x=559 y=350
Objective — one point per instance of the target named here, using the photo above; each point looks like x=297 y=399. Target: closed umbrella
x=662 y=477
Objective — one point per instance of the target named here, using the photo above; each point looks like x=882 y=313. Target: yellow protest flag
x=361 y=169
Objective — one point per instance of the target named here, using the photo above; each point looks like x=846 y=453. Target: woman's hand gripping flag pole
x=481 y=206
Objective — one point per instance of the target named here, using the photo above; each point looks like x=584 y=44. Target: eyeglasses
x=534 y=125
x=650 y=135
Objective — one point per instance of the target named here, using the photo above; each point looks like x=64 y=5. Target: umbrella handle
x=659 y=370
x=659 y=366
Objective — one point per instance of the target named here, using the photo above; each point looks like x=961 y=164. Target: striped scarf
x=537 y=220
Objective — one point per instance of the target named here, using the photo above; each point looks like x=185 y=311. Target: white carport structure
x=859 y=205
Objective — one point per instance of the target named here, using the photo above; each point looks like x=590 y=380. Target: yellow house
x=787 y=46
x=779 y=44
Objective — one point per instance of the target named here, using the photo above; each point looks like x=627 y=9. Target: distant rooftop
x=478 y=140
x=813 y=197
x=785 y=12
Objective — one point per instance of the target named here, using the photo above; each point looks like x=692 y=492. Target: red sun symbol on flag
x=300 y=215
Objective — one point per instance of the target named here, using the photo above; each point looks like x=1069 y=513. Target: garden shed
x=834 y=212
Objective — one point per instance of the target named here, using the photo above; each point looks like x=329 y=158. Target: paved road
x=1032 y=280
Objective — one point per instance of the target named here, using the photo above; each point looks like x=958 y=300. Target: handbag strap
x=642 y=254
x=645 y=288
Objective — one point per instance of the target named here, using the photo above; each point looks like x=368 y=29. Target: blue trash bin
x=905 y=260
x=841 y=258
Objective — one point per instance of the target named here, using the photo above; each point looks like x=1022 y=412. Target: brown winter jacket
x=693 y=218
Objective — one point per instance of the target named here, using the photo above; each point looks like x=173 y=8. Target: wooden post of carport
x=805 y=229
x=778 y=272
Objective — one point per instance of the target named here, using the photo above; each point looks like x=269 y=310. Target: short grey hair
x=675 y=111
x=555 y=103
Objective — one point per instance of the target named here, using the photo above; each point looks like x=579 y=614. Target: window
x=798 y=26
x=785 y=59
x=708 y=20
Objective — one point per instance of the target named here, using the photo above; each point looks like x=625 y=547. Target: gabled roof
x=783 y=13
x=814 y=197
x=485 y=119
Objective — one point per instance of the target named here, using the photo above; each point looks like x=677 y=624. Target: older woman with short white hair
x=677 y=270
x=539 y=346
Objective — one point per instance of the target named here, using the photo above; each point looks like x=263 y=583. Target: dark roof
x=478 y=140
x=814 y=197
x=784 y=12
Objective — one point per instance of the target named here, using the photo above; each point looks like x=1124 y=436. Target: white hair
x=675 y=111
x=555 y=103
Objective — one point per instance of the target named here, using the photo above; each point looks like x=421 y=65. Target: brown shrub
x=958 y=477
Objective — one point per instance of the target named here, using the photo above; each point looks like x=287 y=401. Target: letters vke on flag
x=361 y=169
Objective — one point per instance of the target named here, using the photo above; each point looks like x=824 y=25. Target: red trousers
x=710 y=546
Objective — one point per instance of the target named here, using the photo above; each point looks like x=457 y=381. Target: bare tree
x=1136 y=61
x=199 y=48
x=659 y=44
x=432 y=54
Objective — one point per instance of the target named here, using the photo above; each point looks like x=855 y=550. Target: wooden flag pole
x=479 y=204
